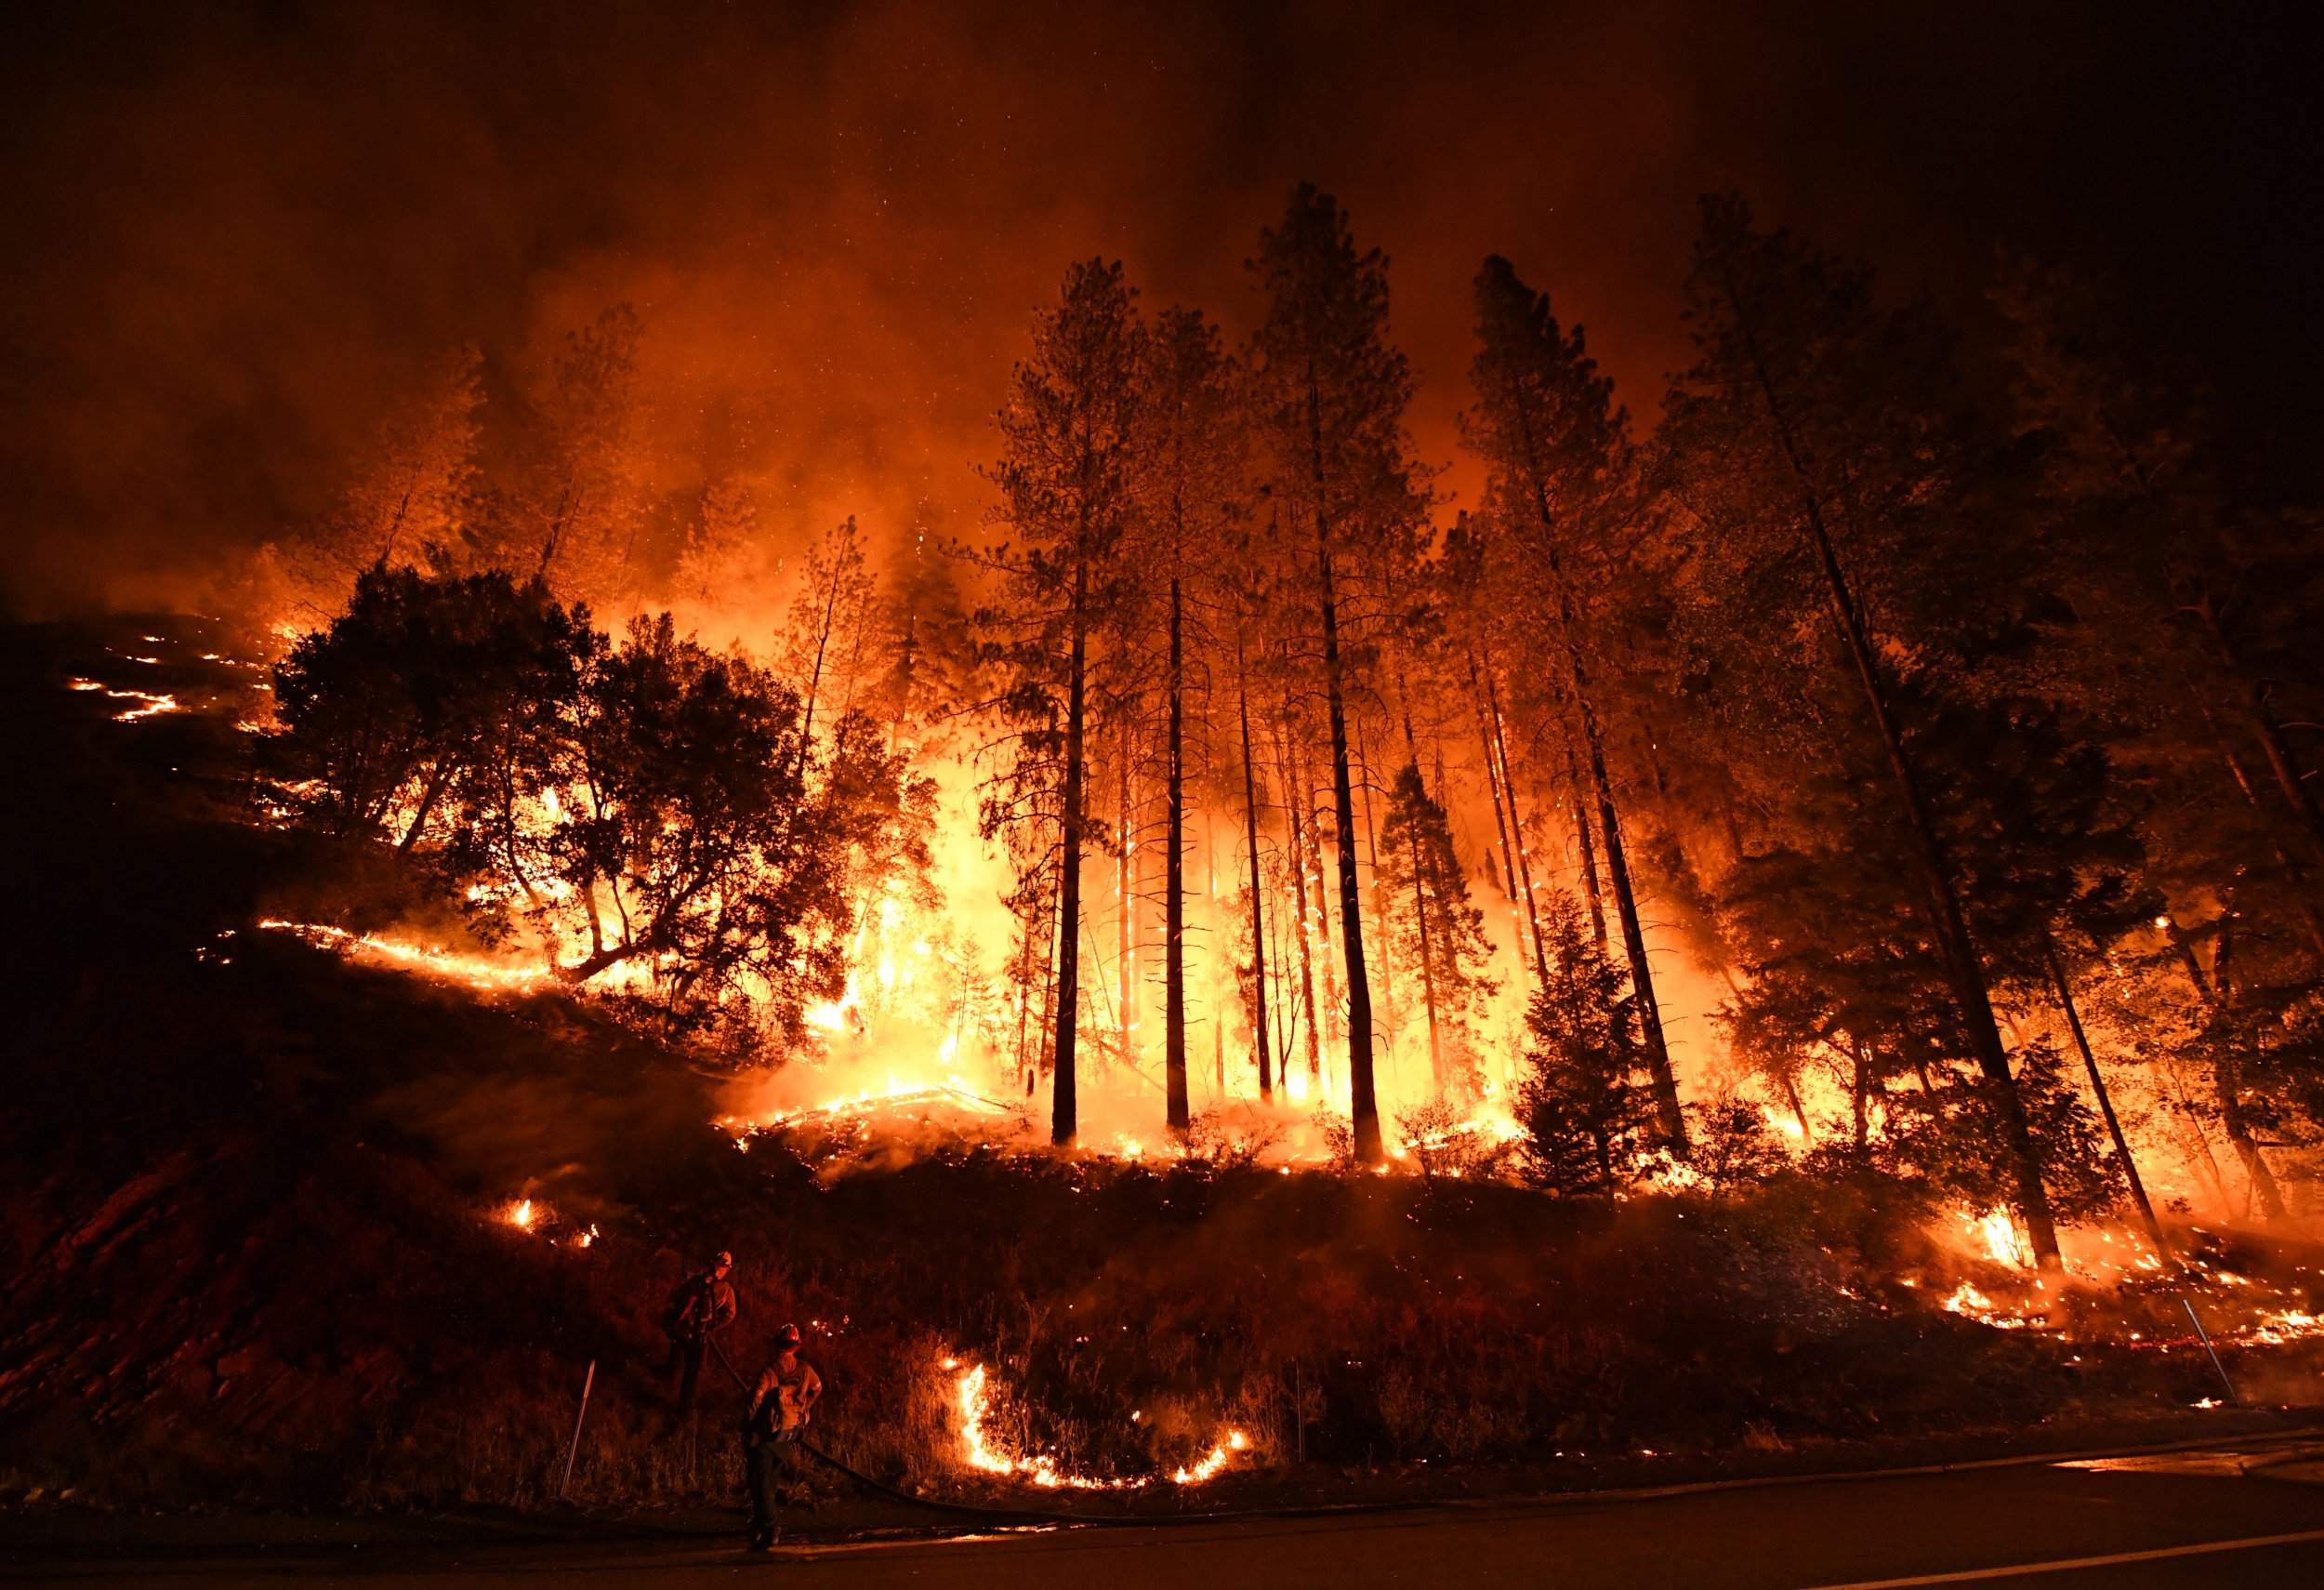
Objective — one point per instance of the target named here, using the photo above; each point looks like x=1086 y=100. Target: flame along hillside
x=348 y=1234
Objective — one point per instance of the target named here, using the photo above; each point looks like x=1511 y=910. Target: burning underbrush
x=291 y=1225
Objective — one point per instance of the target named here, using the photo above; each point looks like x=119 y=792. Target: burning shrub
x=654 y=809
x=1734 y=1146
x=1445 y=1141
x=1232 y=1138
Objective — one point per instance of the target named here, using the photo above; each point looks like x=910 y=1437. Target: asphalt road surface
x=2219 y=1519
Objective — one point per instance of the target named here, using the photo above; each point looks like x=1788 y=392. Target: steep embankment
x=253 y=1201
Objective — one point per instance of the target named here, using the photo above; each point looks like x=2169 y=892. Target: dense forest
x=1941 y=742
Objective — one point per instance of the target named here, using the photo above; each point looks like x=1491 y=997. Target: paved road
x=2155 y=1522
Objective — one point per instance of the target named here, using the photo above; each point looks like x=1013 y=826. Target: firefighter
x=772 y=1428
x=699 y=1307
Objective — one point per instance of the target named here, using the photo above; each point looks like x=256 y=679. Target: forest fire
x=1502 y=824
x=979 y=1451
x=474 y=971
x=899 y=1097
x=1970 y=1303
x=150 y=704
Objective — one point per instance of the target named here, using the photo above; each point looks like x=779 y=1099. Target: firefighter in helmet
x=772 y=1428
x=699 y=1307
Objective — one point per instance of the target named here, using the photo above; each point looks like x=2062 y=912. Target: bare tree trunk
x=2289 y=779
x=1257 y=886
x=1589 y=847
x=2105 y=1103
x=1799 y=1112
x=1943 y=901
x=1328 y=1028
x=1507 y=879
x=1658 y=1067
x=438 y=782
x=1174 y=891
x=2309 y=918
x=1665 y=1081
x=1363 y=1108
x=815 y=678
x=1064 y=1123
x=1296 y=802
x=2226 y=1080
x=1859 y=1089
x=1126 y=888
x=1428 y=965
x=1371 y=843
x=1024 y=1008
x=1517 y=827
x=2304 y=888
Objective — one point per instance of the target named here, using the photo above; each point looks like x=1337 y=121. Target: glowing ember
x=898 y=1095
x=1218 y=1458
x=153 y=705
x=473 y=970
x=150 y=704
x=2275 y=1328
x=1971 y=1303
x=1997 y=1231
x=980 y=1453
x=1789 y=1125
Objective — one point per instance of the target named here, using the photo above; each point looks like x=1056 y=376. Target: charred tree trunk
x=2226 y=1079
x=1859 y=1096
x=2289 y=779
x=1258 y=887
x=1507 y=879
x=1428 y=964
x=1126 y=888
x=814 y=679
x=1174 y=890
x=2309 y=918
x=1328 y=1030
x=1517 y=827
x=1362 y=1108
x=1665 y=1081
x=1064 y=1123
x=1947 y=920
x=1304 y=937
x=2304 y=890
x=1371 y=845
x=1799 y=1111
x=1587 y=845
x=438 y=782
x=2105 y=1103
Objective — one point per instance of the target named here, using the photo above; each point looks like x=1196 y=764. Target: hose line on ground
x=1014 y=1514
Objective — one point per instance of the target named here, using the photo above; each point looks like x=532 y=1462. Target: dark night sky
x=235 y=234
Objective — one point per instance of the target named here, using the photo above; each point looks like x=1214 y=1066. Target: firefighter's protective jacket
x=781 y=1403
x=700 y=1304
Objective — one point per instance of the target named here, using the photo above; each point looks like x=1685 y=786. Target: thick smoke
x=240 y=235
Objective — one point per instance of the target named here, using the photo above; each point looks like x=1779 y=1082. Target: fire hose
x=1012 y=1515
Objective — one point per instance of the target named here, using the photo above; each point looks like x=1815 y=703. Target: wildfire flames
x=150 y=704
x=980 y=1453
x=898 y=1095
x=1971 y=1303
x=473 y=970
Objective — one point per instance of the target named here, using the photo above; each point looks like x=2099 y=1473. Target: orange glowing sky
x=236 y=237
